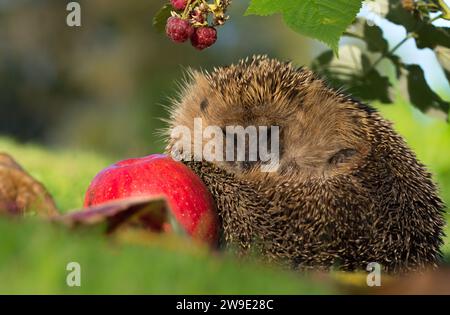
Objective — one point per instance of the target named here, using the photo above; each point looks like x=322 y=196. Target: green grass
x=34 y=254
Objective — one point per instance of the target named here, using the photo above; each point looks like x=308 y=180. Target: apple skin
x=189 y=199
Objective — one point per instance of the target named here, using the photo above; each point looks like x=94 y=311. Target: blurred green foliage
x=34 y=256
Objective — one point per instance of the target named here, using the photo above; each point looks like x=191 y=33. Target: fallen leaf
x=149 y=214
x=21 y=194
x=423 y=282
x=431 y=282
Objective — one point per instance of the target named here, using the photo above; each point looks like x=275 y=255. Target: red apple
x=190 y=201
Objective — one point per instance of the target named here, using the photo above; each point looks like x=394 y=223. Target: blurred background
x=102 y=86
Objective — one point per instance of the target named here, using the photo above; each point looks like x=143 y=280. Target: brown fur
x=348 y=190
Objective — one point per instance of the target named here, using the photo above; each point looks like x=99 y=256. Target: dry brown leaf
x=20 y=193
x=433 y=282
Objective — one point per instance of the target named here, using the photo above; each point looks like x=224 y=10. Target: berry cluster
x=423 y=8
x=196 y=20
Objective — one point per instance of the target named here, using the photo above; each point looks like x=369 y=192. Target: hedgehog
x=347 y=191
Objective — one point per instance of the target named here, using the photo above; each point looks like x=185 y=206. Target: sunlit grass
x=34 y=256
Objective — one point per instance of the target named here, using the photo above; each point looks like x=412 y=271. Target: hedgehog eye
x=204 y=104
x=342 y=156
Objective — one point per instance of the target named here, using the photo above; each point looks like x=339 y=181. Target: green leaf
x=430 y=36
x=373 y=36
x=397 y=62
x=373 y=86
x=420 y=94
x=426 y=35
x=445 y=10
x=160 y=18
x=325 y=58
x=398 y=15
x=325 y=20
x=265 y=7
x=369 y=85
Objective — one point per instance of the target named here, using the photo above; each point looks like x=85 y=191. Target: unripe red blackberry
x=178 y=4
x=203 y=37
x=198 y=16
x=179 y=30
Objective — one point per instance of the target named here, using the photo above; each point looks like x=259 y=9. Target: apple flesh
x=190 y=201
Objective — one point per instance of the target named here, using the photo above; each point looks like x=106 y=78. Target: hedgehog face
x=321 y=133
